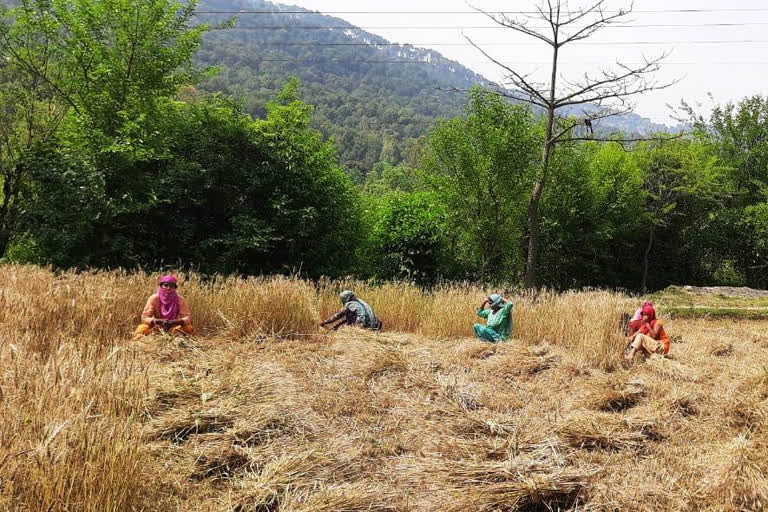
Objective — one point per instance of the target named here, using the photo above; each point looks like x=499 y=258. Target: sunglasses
x=167 y=285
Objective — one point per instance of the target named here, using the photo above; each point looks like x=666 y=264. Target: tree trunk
x=645 y=259
x=533 y=209
x=533 y=235
x=538 y=188
x=9 y=195
x=5 y=238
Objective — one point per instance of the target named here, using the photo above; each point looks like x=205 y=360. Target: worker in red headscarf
x=165 y=311
x=650 y=338
x=637 y=319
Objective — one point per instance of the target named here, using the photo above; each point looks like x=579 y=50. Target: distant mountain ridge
x=375 y=98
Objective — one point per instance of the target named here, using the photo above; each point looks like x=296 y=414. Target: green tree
x=591 y=218
x=111 y=61
x=480 y=166
x=105 y=69
x=63 y=199
x=682 y=182
x=229 y=195
x=385 y=177
x=29 y=118
x=754 y=255
x=407 y=237
x=738 y=134
x=598 y=95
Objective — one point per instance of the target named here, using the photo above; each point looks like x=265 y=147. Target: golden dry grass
x=263 y=411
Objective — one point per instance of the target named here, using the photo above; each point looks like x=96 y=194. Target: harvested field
x=264 y=412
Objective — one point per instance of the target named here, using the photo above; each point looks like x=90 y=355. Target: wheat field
x=263 y=411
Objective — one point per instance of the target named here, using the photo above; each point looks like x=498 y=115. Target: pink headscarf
x=169 y=300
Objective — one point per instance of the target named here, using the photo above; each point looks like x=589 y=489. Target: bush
x=407 y=237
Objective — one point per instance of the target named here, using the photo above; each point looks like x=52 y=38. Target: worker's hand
x=158 y=321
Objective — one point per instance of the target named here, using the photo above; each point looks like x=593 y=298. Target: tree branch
x=612 y=85
x=500 y=91
x=621 y=94
x=7 y=46
x=596 y=25
x=593 y=116
x=518 y=79
x=629 y=140
x=517 y=25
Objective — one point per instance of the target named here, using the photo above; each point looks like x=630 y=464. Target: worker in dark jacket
x=354 y=312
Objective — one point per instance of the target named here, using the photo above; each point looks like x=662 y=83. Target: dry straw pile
x=263 y=411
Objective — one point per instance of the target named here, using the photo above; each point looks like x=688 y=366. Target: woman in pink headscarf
x=166 y=311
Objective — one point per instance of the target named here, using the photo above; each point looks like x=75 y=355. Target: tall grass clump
x=102 y=308
x=585 y=322
x=282 y=306
x=446 y=311
x=98 y=310
x=70 y=430
x=46 y=307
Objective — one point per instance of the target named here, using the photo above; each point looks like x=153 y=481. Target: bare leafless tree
x=608 y=92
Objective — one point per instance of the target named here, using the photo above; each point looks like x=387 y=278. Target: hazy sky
x=729 y=70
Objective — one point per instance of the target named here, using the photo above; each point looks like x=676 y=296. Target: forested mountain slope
x=375 y=100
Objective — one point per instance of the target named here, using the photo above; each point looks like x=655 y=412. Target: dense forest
x=120 y=147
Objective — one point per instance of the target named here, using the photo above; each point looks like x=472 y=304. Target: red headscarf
x=651 y=313
x=639 y=312
x=637 y=319
x=169 y=300
x=649 y=310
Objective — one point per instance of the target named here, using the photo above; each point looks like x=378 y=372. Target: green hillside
x=376 y=110
x=375 y=100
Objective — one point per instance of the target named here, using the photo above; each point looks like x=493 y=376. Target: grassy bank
x=741 y=304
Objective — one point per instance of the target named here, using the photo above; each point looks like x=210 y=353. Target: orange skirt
x=146 y=330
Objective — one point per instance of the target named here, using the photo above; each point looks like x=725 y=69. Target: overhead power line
x=412 y=61
x=486 y=27
x=658 y=11
x=592 y=43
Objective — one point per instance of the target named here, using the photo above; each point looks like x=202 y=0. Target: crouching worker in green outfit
x=499 y=316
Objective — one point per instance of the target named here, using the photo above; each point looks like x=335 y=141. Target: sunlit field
x=262 y=410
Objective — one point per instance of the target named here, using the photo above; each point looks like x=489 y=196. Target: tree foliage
x=110 y=156
x=738 y=134
x=480 y=166
x=407 y=237
x=229 y=195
